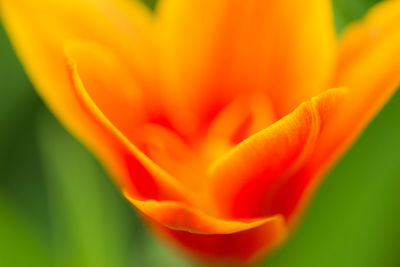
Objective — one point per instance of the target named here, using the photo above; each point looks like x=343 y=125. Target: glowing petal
x=110 y=85
x=145 y=172
x=44 y=26
x=293 y=193
x=179 y=216
x=41 y=29
x=243 y=246
x=369 y=67
x=211 y=50
x=257 y=168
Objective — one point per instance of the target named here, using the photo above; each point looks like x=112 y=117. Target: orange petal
x=246 y=115
x=369 y=65
x=180 y=216
x=145 y=174
x=244 y=247
x=109 y=84
x=370 y=68
x=254 y=171
x=292 y=194
x=210 y=50
x=40 y=29
x=247 y=173
x=169 y=151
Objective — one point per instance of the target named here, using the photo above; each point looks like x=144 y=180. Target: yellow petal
x=210 y=50
x=249 y=171
x=369 y=66
x=263 y=167
x=110 y=85
x=179 y=216
x=136 y=172
x=293 y=192
x=122 y=25
x=246 y=115
x=41 y=30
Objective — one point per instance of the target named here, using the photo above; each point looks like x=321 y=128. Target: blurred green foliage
x=347 y=11
x=59 y=208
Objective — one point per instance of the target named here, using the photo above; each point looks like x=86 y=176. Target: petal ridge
x=162 y=177
x=179 y=216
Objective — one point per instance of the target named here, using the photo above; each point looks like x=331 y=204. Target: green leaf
x=89 y=217
x=20 y=245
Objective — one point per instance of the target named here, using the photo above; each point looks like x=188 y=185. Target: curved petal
x=40 y=29
x=180 y=216
x=109 y=84
x=236 y=248
x=253 y=166
x=257 y=168
x=246 y=115
x=293 y=193
x=145 y=172
x=369 y=66
x=210 y=50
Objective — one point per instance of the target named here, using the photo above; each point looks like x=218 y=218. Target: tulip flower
x=217 y=119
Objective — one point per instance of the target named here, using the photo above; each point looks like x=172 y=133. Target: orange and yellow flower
x=216 y=118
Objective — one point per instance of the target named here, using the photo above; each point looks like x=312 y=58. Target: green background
x=59 y=208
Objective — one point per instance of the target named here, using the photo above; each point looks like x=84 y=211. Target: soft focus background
x=59 y=208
